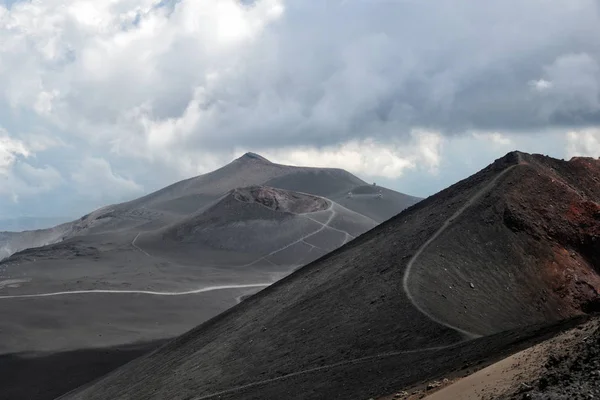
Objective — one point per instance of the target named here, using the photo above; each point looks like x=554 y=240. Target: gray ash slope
x=13 y=242
x=186 y=198
x=263 y=220
x=354 y=324
x=210 y=230
x=209 y=218
x=230 y=227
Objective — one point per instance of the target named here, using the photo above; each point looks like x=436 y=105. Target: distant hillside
x=186 y=198
x=152 y=268
x=29 y=223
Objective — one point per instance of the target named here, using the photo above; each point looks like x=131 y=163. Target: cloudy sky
x=102 y=101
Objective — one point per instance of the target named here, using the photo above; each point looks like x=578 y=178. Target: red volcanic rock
x=557 y=203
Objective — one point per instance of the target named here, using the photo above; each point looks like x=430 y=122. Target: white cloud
x=572 y=86
x=96 y=180
x=10 y=149
x=364 y=157
x=367 y=157
x=583 y=143
x=380 y=88
x=541 y=85
x=43 y=103
x=495 y=138
x=42 y=141
x=26 y=180
x=429 y=149
x=18 y=178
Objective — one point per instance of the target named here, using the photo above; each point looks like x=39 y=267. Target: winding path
x=406 y=288
x=144 y=292
x=415 y=257
x=322 y=368
x=325 y=225
x=135 y=246
x=409 y=267
x=300 y=240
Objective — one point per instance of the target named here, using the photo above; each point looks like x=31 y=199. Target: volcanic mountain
x=154 y=267
x=189 y=197
x=472 y=273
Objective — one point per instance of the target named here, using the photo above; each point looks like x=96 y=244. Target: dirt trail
x=144 y=292
x=384 y=355
x=325 y=225
x=135 y=246
x=321 y=368
x=421 y=249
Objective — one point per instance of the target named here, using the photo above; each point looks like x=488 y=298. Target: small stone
x=525 y=386
x=472 y=285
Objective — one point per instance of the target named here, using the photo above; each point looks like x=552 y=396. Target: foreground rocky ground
x=563 y=367
x=569 y=372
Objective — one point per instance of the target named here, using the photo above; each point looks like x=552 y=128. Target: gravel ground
x=569 y=373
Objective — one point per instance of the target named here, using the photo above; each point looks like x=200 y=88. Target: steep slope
x=401 y=303
x=537 y=246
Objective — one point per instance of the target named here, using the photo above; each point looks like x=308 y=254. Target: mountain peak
x=513 y=157
x=253 y=157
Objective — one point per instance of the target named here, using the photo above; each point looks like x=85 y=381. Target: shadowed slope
x=57 y=373
x=308 y=336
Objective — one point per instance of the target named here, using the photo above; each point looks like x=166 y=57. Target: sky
x=104 y=101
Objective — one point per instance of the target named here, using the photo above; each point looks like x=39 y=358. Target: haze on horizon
x=102 y=102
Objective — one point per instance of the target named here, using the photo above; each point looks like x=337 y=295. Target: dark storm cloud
x=178 y=87
x=363 y=69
